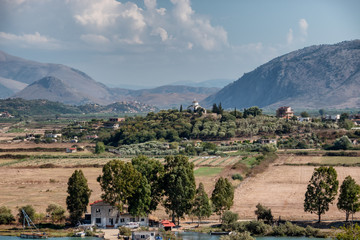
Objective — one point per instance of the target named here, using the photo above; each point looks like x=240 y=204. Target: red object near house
x=167 y=225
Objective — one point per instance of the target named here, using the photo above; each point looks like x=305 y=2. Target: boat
x=220 y=233
x=35 y=233
x=80 y=234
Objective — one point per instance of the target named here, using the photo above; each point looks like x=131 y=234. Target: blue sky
x=151 y=43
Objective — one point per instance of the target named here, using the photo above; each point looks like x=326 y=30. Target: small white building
x=104 y=215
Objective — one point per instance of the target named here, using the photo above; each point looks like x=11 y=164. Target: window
x=98 y=220
x=142 y=236
x=132 y=219
x=97 y=210
x=143 y=220
x=122 y=220
x=109 y=210
x=152 y=234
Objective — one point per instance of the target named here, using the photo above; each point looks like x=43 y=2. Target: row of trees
x=144 y=183
x=55 y=212
x=323 y=188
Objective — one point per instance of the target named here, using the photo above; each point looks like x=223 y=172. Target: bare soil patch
x=282 y=188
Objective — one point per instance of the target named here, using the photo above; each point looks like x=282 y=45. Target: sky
x=148 y=43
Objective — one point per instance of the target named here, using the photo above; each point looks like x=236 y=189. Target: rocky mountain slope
x=324 y=76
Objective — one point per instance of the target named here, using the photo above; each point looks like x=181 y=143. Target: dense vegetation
x=21 y=107
x=175 y=126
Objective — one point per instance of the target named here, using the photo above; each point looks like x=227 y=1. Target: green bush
x=237 y=176
x=5 y=215
x=289 y=229
x=227 y=219
x=124 y=231
x=258 y=228
x=263 y=213
x=238 y=236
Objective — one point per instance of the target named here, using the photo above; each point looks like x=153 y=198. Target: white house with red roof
x=104 y=215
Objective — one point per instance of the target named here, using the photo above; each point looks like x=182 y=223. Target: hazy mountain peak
x=324 y=76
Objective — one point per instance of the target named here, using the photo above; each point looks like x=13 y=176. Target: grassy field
x=207 y=171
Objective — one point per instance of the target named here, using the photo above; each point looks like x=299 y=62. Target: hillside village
x=236 y=145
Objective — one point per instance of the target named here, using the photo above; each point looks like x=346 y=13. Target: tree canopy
x=349 y=197
x=119 y=182
x=201 y=205
x=179 y=186
x=6 y=216
x=78 y=196
x=321 y=190
x=223 y=196
x=153 y=171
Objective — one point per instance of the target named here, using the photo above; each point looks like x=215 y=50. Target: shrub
x=124 y=231
x=237 y=176
x=5 y=215
x=30 y=211
x=258 y=227
x=228 y=218
x=289 y=229
x=238 y=236
x=263 y=213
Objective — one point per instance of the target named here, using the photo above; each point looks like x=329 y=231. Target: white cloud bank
x=114 y=23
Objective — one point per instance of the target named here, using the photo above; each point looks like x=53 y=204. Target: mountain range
x=21 y=78
x=323 y=76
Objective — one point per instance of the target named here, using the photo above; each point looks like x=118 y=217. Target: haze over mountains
x=324 y=76
x=33 y=80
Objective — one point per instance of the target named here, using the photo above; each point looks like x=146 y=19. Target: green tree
x=179 y=186
x=304 y=114
x=223 y=196
x=56 y=212
x=99 y=148
x=6 y=216
x=263 y=213
x=30 y=211
x=119 y=182
x=349 y=197
x=321 y=112
x=78 y=196
x=252 y=111
x=153 y=171
x=349 y=232
x=201 y=205
x=215 y=108
x=139 y=202
x=321 y=191
x=343 y=143
x=343 y=117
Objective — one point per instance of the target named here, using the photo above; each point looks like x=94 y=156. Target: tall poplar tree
x=78 y=196
x=201 y=207
x=321 y=191
x=179 y=186
x=349 y=197
x=223 y=196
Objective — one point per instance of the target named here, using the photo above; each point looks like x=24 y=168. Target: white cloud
x=290 y=36
x=94 y=39
x=303 y=25
x=196 y=28
x=161 y=32
x=29 y=40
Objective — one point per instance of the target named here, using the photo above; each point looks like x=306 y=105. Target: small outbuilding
x=166 y=225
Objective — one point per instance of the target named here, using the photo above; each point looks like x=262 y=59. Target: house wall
x=103 y=214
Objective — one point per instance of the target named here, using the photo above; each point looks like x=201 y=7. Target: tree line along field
x=281 y=186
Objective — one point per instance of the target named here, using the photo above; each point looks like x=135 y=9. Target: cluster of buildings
x=104 y=215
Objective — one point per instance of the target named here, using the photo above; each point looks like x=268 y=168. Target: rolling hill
x=324 y=76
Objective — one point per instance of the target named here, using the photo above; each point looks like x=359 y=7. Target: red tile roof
x=97 y=201
x=166 y=223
